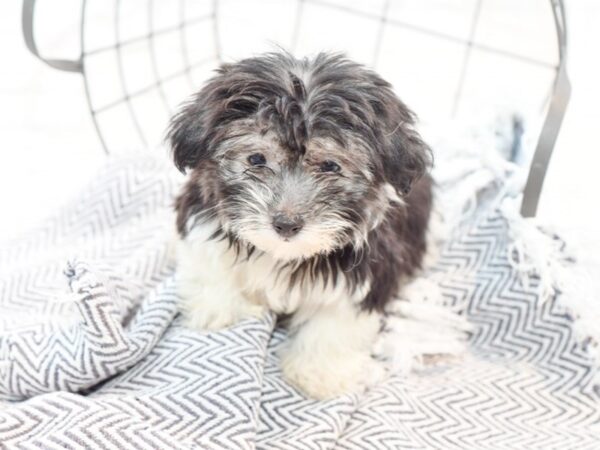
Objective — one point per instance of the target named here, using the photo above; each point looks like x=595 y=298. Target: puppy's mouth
x=285 y=242
x=283 y=247
x=296 y=237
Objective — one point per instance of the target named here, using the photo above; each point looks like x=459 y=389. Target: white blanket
x=93 y=354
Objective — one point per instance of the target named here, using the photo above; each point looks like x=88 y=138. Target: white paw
x=326 y=376
x=219 y=313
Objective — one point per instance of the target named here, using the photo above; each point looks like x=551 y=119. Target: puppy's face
x=295 y=204
x=294 y=157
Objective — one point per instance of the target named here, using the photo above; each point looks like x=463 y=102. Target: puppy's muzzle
x=287 y=226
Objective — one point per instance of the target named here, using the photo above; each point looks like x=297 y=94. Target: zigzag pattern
x=122 y=222
x=124 y=373
x=95 y=348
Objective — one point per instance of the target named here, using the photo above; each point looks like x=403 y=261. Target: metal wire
x=380 y=31
x=130 y=95
x=433 y=33
x=153 y=61
x=553 y=121
x=559 y=99
x=465 y=64
x=152 y=33
x=184 y=47
x=86 y=82
x=126 y=96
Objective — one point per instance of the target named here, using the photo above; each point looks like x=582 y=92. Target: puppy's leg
x=330 y=354
x=209 y=295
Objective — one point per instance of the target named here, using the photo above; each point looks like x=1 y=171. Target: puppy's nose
x=287 y=226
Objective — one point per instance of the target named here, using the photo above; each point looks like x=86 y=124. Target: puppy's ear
x=407 y=158
x=186 y=135
x=191 y=130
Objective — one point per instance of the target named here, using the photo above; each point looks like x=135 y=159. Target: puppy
x=307 y=196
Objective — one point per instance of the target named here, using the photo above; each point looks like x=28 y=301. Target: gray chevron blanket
x=93 y=354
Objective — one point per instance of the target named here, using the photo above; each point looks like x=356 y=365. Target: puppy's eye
x=257 y=159
x=329 y=166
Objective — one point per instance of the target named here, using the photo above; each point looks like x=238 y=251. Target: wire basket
x=447 y=58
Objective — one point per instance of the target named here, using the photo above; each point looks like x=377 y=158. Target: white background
x=50 y=149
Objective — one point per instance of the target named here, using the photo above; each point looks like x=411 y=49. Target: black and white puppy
x=307 y=196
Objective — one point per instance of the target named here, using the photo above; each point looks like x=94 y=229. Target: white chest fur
x=329 y=352
x=211 y=267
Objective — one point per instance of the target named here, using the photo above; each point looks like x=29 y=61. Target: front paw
x=330 y=375
x=218 y=313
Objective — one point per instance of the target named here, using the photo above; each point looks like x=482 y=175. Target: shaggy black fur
x=300 y=100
